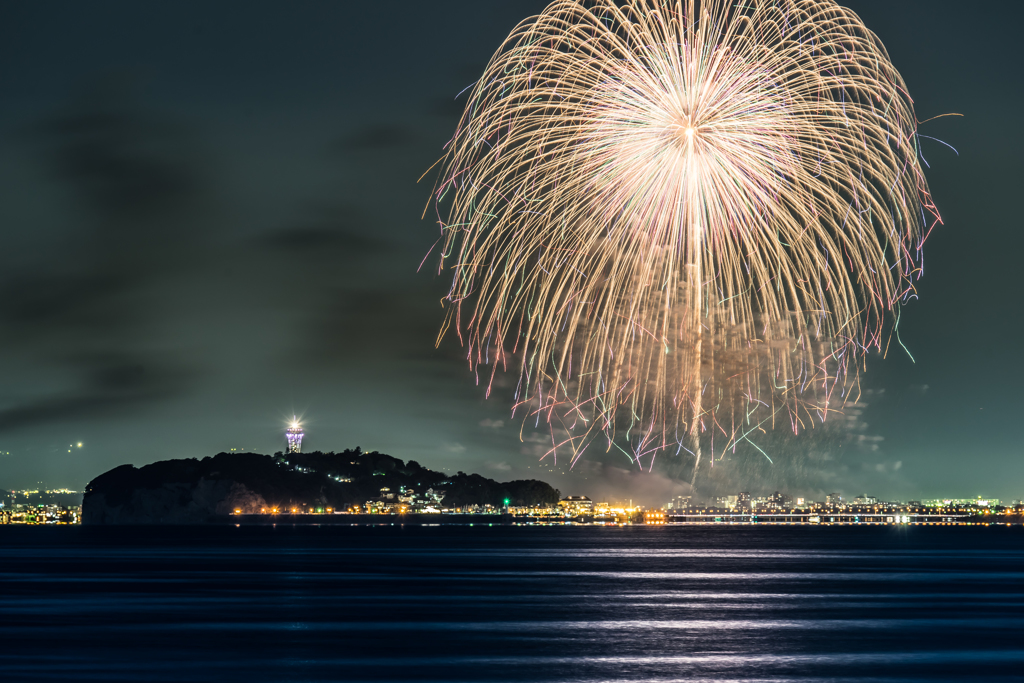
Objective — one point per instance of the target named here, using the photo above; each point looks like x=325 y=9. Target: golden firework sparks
x=677 y=218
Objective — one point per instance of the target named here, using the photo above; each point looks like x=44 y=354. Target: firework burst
x=682 y=218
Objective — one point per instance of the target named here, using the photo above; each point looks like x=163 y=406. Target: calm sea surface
x=512 y=604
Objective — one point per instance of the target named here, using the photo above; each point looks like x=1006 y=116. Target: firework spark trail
x=673 y=211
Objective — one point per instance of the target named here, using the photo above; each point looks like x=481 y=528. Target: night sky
x=210 y=221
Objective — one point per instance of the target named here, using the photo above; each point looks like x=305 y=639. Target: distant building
x=654 y=517
x=865 y=500
x=576 y=505
x=728 y=502
x=41 y=514
x=679 y=503
x=781 y=501
x=294 y=434
x=833 y=499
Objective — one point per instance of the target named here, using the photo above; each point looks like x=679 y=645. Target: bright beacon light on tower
x=294 y=434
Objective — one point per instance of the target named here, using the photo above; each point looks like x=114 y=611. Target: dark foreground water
x=512 y=604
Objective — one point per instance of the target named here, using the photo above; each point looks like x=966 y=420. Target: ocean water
x=512 y=604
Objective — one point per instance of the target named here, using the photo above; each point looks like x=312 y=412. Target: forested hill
x=372 y=471
x=192 y=490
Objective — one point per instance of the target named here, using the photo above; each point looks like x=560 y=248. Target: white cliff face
x=174 y=503
x=243 y=500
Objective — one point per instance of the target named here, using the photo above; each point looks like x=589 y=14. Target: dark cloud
x=126 y=164
x=376 y=138
x=64 y=300
x=139 y=197
x=111 y=386
x=319 y=239
x=110 y=157
x=86 y=312
x=359 y=324
x=449 y=107
x=343 y=240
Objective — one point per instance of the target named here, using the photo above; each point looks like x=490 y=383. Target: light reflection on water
x=512 y=604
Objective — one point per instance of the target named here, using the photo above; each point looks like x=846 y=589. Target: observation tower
x=294 y=434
